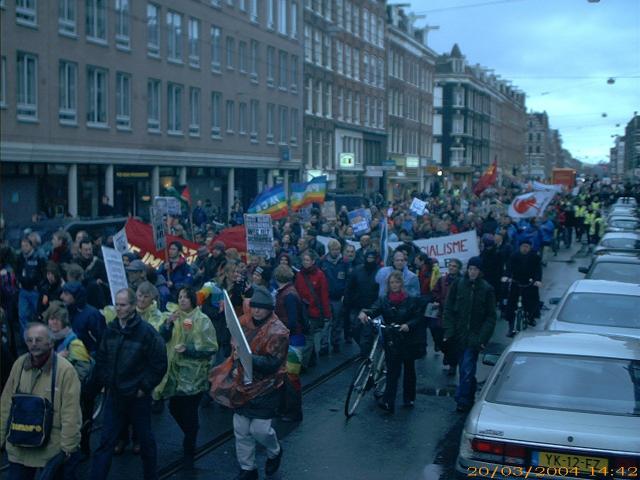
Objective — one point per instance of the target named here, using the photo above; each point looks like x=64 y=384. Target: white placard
x=418 y=206
x=157 y=223
x=242 y=346
x=120 y=241
x=116 y=274
x=461 y=246
x=259 y=230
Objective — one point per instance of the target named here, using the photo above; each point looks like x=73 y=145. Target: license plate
x=582 y=463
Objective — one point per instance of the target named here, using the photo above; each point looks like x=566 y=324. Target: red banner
x=140 y=237
x=233 y=237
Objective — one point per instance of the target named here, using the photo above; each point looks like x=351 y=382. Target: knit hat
x=136 y=266
x=475 y=262
x=264 y=272
x=261 y=298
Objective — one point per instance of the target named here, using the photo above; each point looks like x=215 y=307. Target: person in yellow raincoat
x=191 y=343
x=147 y=305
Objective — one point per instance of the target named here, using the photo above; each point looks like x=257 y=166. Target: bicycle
x=371 y=373
x=521 y=318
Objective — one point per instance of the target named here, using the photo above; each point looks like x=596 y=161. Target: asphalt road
x=413 y=444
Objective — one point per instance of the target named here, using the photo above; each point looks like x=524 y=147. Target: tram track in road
x=167 y=471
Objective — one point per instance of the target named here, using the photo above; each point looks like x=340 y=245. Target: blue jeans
x=139 y=412
x=17 y=471
x=466 y=391
x=27 y=307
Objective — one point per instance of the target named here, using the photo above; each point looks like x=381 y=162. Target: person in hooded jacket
x=29 y=273
x=405 y=339
x=94 y=278
x=492 y=261
x=60 y=241
x=87 y=322
x=51 y=286
x=176 y=270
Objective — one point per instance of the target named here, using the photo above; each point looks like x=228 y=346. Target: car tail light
x=501 y=452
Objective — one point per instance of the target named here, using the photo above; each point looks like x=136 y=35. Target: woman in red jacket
x=313 y=289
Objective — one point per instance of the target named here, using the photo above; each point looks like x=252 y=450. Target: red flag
x=487 y=179
x=233 y=237
x=186 y=195
x=140 y=237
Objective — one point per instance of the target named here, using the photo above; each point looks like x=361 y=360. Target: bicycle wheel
x=379 y=376
x=359 y=386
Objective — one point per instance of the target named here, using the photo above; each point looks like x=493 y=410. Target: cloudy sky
x=559 y=52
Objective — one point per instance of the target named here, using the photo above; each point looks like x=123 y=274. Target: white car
x=598 y=306
x=559 y=406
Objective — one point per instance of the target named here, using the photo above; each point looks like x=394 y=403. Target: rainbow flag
x=303 y=194
x=272 y=202
x=296 y=195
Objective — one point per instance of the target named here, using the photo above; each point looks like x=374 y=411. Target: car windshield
x=601 y=309
x=619 y=272
x=618 y=242
x=630 y=224
x=583 y=384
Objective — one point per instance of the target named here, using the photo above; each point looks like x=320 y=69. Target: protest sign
x=141 y=241
x=120 y=241
x=115 y=271
x=259 y=230
x=359 y=222
x=157 y=223
x=418 y=206
x=328 y=210
x=239 y=340
x=461 y=246
x=168 y=205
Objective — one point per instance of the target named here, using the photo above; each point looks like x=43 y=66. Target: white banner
x=418 y=206
x=530 y=204
x=461 y=246
x=239 y=340
x=259 y=228
x=115 y=271
x=541 y=187
x=120 y=241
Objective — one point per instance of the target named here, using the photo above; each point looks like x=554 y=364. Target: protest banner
x=259 y=230
x=120 y=241
x=115 y=271
x=418 y=206
x=328 y=210
x=141 y=241
x=157 y=223
x=462 y=246
x=359 y=222
x=540 y=187
x=239 y=340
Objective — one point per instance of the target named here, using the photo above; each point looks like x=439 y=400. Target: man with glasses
x=130 y=363
x=31 y=374
x=411 y=282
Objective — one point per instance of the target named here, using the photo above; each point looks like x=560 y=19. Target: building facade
x=632 y=148
x=543 y=148
x=478 y=119
x=125 y=98
x=344 y=91
x=411 y=72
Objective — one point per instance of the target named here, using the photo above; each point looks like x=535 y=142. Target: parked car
x=556 y=402
x=598 y=306
x=619 y=243
x=618 y=268
x=619 y=223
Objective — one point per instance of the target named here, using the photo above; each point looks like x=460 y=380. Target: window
x=317 y=103
x=308 y=95
x=194 y=42
x=347 y=16
x=216 y=107
x=242 y=118
x=153 y=30
x=174 y=40
x=231 y=52
x=271 y=67
x=380 y=33
x=356 y=108
x=67 y=17
x=317 y=47
x=254 y=115
x=254 y=60
x=174 y=109
x=153 y=105
x=3 y=82
x=282 y=17
x=294 y=20
x=340 y=103
x=366 y=110
x=243 y=58
x=216 y=49
x=194 y=112
x=294 y=73
x=68 y=101
x=27 y=88
x=339 y=57
x=123 y=25
x=349 y=107
x=242 y=5
x=347 y=60
x=326 y=52
x=123 y=101
x=294 y=126
x=283 y=114
x=308 y=48
x=283 y=73
x=328 y=100
x=96 y=20
x=270 y=16
x=254 y=10
x=229 y=115
x=271 y=118
x=356 y=21
x=96 y=96
x=339 y=13
x=27 y=12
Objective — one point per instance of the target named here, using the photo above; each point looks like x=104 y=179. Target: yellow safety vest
x=580 y=211
x=596 y=224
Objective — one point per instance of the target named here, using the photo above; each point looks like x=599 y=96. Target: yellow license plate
x=580 y=462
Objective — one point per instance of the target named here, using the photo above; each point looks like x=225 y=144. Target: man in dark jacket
x=525 y=271
x=95 y=275
x=86 y=321
x=469 y=320
x=130 y=363
x=176 y=270
x=29 y=273
x=335 y=268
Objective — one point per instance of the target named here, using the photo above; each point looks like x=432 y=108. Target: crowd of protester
x=161 y=339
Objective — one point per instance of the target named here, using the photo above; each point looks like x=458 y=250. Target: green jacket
x=152 y=315
x=469 y=313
